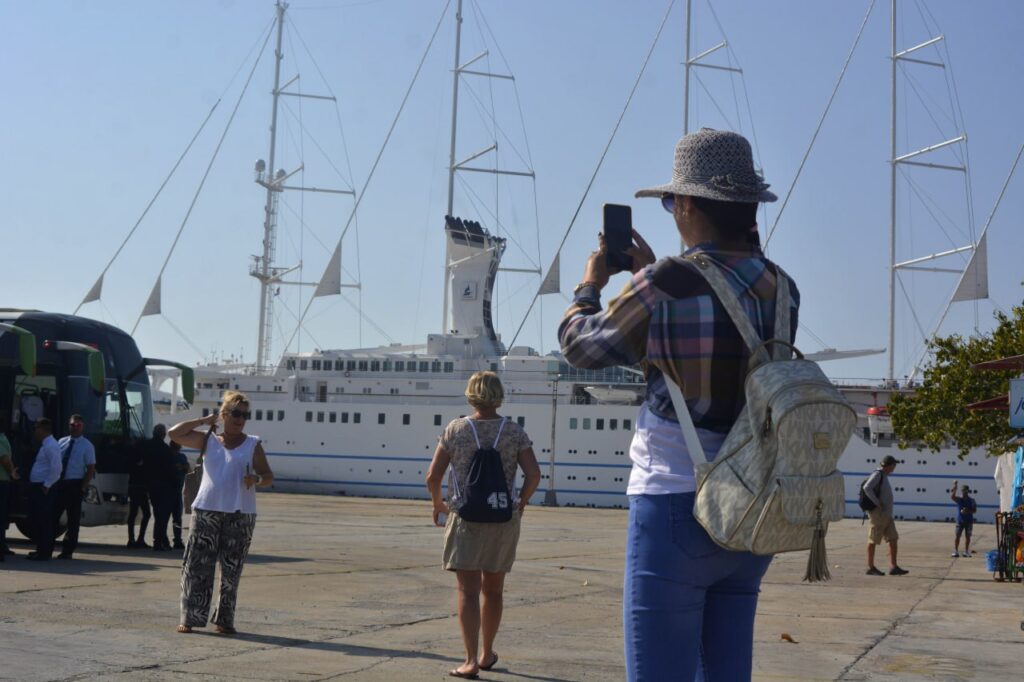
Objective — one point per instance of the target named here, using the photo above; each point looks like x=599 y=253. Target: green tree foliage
x=935 y=414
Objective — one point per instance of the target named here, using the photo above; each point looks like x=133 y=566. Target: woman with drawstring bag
x=483 y=510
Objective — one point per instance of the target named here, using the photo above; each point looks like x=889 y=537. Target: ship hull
x=380 y=444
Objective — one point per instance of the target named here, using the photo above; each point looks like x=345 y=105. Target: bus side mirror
x=97 y=371
x=188 y=376
x=26 y=347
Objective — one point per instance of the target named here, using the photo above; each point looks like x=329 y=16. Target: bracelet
x=259 y=479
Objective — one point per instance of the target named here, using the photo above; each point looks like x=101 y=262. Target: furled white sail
x=974 y=281
x=550 y=285
x=330 y=281
x=94 y=293
x=152 y=306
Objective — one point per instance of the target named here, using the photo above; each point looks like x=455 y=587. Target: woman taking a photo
x=688 y=604
x=223 y=514
x=481 y=553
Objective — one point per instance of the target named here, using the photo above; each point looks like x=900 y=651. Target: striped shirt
x=667 y=319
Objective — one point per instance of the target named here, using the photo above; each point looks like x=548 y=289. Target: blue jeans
x=688 y=605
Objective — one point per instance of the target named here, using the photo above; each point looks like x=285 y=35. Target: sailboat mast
x=451 y=160
x=892 y=201
x=266 y=265
x=686 y=76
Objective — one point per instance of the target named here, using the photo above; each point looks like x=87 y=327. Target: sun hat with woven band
x=714 y=164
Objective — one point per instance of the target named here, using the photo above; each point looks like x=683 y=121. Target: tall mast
x=914 y=159
x=892 y=200
x=264 y=270
x=686 y=77
x=451 y=159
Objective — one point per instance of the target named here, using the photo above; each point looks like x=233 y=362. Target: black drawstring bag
x=485 y=496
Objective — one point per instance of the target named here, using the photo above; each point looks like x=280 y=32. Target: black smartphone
x=618 y=236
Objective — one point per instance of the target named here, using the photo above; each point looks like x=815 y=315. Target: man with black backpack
x=876 y=491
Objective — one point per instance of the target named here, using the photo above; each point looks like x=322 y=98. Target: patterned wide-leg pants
x=215 y=537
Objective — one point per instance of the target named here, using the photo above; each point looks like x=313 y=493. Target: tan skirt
x=470 y=546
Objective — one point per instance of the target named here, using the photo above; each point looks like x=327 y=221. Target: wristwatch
x=259 y=479
x=581 y=285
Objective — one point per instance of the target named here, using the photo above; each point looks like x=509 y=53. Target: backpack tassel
x=817 y=560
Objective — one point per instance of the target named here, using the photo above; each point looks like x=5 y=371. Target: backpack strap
x=782 y=314
x=475 y=436
x=693 y=444
x=453 y=480
x=496 y=438
x=727 y=297
x=746 y=329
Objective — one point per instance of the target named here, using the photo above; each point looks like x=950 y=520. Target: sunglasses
x=668 y=202
x=238 y=414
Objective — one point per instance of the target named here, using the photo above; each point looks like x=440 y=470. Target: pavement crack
x=371 y=666
x=893 y=625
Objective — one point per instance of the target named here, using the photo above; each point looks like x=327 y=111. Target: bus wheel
x=25 y=527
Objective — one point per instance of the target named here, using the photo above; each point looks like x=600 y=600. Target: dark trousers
x=138 y=501
x=5 y=502
x=69 y=501
x=42 y=519
x=160 y=496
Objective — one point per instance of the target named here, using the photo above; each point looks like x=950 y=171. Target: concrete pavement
x=348 y=588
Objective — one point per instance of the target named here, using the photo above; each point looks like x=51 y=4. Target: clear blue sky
x=102 y=97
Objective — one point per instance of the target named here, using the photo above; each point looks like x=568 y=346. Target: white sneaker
x=954 y=555
x=967 y=555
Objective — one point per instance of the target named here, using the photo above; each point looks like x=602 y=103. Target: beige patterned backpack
x=774 y=486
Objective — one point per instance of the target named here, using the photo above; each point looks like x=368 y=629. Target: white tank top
x=223 y=486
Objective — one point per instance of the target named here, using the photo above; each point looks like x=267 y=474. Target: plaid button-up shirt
x=667 y=318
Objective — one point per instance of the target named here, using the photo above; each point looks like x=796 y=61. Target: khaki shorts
x=881 y=527
x=470 y=546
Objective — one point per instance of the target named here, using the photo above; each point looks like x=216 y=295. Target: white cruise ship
x=365 y=422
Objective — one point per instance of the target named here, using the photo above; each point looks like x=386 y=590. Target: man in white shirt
x=78 y=457
x=44 y=475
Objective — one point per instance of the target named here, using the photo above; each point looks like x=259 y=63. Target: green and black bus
x=54 y=365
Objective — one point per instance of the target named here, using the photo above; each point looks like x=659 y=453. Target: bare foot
x=225 y=630
x=184 y=629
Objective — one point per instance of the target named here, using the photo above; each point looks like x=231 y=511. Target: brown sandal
x=224 y=630
x=184 y=629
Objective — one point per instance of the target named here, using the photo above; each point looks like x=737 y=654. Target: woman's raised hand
x=642 y=253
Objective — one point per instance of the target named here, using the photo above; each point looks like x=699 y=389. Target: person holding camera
x=966 y=508
x=687 y=603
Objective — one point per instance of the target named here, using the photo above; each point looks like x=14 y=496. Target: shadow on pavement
x=77 y=566
x=320 y=645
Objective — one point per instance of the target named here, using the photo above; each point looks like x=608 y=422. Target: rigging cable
x=821 y=122
x=988 y=223
x=380 y=153
x=529 y=157
x=148 y=206
x=600 y=162
x=209 y=166
x=169 y=175
x=348 y=165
